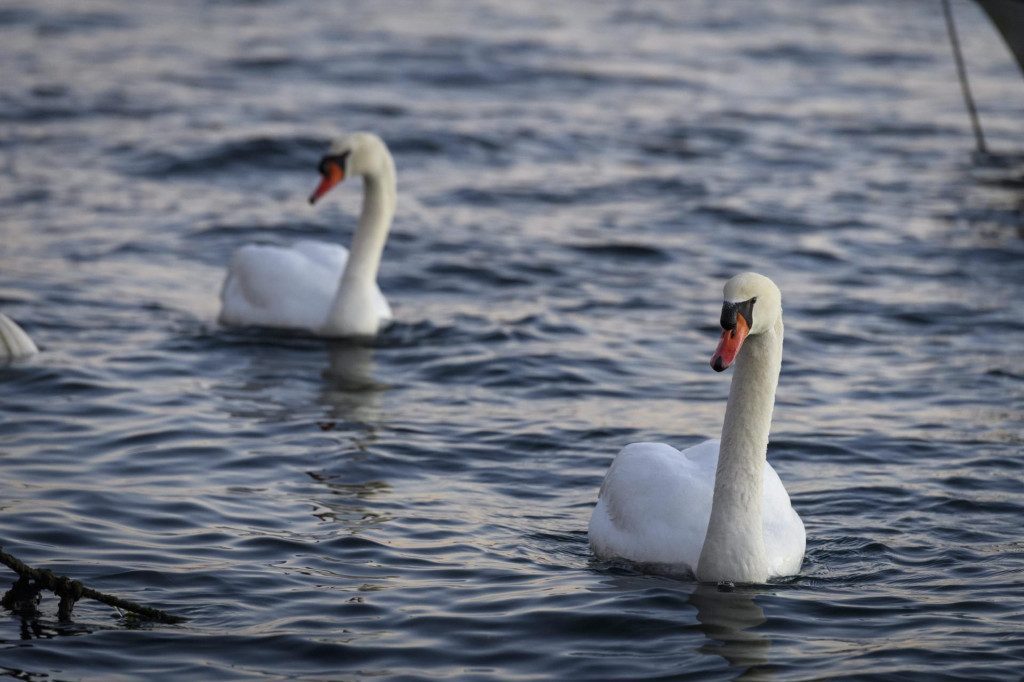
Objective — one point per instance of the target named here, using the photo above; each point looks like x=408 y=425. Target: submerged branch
x=32 y=580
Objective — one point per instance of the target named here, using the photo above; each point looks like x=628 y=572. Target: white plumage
x=656 y=502
x=318 y=287
x=291 y=288
x=717 y=510
x=14 y=342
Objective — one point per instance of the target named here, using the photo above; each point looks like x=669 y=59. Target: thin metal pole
x=962 y=72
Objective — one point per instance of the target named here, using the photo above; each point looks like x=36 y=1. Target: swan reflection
x=350 y=367
x=728 y=618
x=351 y=392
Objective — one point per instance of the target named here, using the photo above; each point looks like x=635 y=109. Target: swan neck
x=379 y=196
x=734 y=546
x=748 y=414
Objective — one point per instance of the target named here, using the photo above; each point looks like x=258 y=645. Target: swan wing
x=291 y=288
x=333 y=259
x=655 y=503
x=784 y=536
x=14 y=342
x=383 y=309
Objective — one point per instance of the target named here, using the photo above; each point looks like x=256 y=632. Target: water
x=576 y=181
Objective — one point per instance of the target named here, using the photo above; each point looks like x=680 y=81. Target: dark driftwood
x=32 y=580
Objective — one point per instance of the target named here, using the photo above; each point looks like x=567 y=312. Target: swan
x=14 y=342
x=322 y=288
x=717 y=510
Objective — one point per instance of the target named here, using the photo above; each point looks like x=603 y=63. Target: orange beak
x=332 y=177
x=730 y=343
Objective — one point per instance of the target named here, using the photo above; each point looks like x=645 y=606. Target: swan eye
x=730 y=310
x=336 y=159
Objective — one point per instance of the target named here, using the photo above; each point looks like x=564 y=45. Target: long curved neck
x=355 y=310
x=734 y=546
x=379 y=197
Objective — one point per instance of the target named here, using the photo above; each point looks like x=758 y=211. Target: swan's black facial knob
x=332 y=168
x=339 y=159
x=730 y=310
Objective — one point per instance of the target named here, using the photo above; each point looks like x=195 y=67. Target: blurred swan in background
x=717 y=509
x=14 y=342
x=315 y=286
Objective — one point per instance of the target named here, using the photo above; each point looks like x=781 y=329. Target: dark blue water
x=576 y=182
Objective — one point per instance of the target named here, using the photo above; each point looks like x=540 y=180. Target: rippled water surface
x=576 y=182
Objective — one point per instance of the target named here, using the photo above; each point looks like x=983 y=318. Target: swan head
x=351 y=155
x=753 y=304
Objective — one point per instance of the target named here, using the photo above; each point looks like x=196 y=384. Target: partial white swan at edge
x=14 y=342
x=717 y=509
x=319 y=287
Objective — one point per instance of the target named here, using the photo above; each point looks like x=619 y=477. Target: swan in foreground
x=718 y=509
x=14 y=342
x=315 y=286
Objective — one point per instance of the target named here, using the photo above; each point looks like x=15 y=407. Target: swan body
x=319 y=287
x=718 y=509
x=288 y=287
x=14 y=342
x=627 y=524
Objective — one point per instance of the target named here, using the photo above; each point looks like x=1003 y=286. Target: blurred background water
x=576 y=182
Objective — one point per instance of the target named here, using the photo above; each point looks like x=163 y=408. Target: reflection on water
x=728 y=618
x=350 y=367
x=277 y=373
x=344 y=504
x=351 y=392
x=264 y=484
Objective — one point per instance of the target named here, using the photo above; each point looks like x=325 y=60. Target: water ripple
x=575 y=183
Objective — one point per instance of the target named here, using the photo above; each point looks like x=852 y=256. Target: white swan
x=14 y=342
x=315 y=286
x=717 y=509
